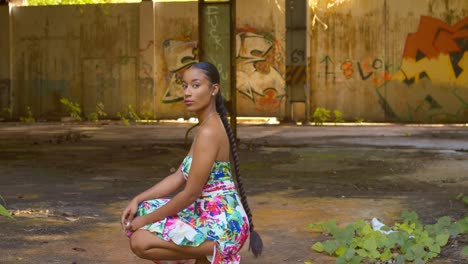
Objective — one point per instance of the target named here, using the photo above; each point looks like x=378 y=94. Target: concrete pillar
x=146 y=90
x=5 y=69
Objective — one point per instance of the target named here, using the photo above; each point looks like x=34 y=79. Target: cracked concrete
x=68 y=183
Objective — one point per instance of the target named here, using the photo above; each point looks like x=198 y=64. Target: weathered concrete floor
x=69 y=183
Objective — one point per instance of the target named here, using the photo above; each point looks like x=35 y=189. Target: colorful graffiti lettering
x=376 y=69
x=256 y=67
x=178 y=55
x=437 y=51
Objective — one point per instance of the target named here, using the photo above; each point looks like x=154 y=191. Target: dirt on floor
x=67 y=184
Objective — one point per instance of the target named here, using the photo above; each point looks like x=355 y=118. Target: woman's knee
x=138 y=244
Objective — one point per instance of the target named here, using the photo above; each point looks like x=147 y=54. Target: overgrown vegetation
x=123 y=118
x=359 y=120
x=322 y=115
x=129 y=114
x=3 y=210
x=6 y=113
x=338 y=116
x=148 y=115
x=73 y=108
x=29 y=118
x=410 y=241
x=95 y=116
x=462 y=197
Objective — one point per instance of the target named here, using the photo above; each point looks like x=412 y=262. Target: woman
x=207 y=218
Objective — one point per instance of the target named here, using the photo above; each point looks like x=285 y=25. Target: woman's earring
x=213 y=94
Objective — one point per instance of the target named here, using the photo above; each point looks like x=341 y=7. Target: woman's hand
x=136 y=224
x=128 y=214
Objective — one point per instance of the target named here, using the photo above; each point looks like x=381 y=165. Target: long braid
x=256 y=244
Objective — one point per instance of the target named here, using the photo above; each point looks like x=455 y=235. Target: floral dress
x=217 y=215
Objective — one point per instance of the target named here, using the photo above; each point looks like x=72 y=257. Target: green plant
x=359 y=120
x=462 y=198
x=412 y=242
x=28 y=119
x=3 y=210
x=129 y=114
x=6 y=112
x=100 y=109
x=338 y=116
x=73 y=109
x=132 y=115
x=94 y=116
x=147 y=115
x=123 y=119
x=321 y=115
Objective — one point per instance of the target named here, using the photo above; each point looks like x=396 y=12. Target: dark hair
x=256 y=244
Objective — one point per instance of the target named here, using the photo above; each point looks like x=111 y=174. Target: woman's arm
x=163 y=188
x=205 y=150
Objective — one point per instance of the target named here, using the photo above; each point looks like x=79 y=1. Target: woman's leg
x=149 y=246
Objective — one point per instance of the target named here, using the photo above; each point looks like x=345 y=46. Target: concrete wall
x=261 y=58
x=260 y=39
x=88 y=54
x=377 y=60
x=4 y=61
x=385 y=61
x=430 y=46
x=176 y=41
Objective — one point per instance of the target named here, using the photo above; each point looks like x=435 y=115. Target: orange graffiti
x=347 y=69
x=269 y=102
x=380 y=78
x=435 y=37
x=436 y=52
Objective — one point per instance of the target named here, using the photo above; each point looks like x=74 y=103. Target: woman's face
x=197 y=90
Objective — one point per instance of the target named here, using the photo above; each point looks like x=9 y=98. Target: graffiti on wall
x=328 y=69
x=258 y=77
x=374 y=70
x=178 y=56
x=437 y=51
x=369 y=69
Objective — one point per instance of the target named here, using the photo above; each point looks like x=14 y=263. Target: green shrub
x=6 y=112
x=132 y=115
x=28 y=119
x=123 y=119
x=3 y=210
x=321 y=115
x=412 y=242
x=359 y=120
x=95 y=116
x=73 y=109
x=148 y=115
x=338 y=116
